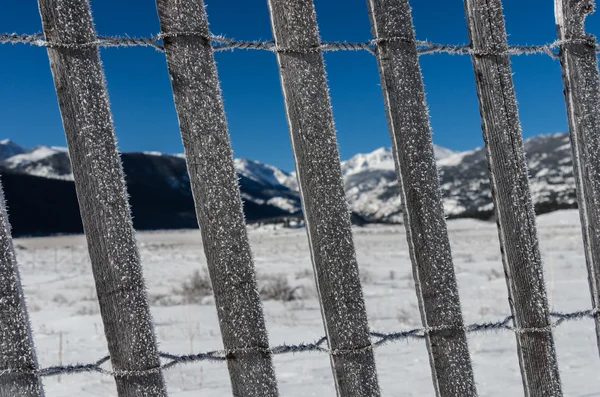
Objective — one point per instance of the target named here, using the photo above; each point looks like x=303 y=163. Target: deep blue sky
x=141 y=98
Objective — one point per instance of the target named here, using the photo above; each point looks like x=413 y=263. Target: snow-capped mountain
x=382 y=159
x=8 y=149
x=163 y=177
x=466 y=187
x=370 y=182
x=44 y=161
x=265 y=174
x=53 y=162
x=374 y=193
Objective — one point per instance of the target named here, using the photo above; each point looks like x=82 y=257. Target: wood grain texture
x=512 y=198
x=217 y=197
x=424 y=218
x=17 y=352
x=581 y=80
x=324 y=203
x=83 y=100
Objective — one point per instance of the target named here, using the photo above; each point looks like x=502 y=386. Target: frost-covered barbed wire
x=320 y=346
x=221 y=43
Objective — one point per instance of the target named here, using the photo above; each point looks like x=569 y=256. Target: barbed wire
x=221 y=43
x=378 y=339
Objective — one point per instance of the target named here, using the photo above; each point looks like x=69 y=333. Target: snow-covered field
x=60 y=290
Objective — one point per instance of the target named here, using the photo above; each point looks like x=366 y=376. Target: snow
x=60 y=292
x=8 y=149
x=383 y=159
x=442 y=152
x=288 y=205
x=46 y=171
x=265 y=174
x=454 y=159
x=380 y=159
x=38 y=153
x=453 y=207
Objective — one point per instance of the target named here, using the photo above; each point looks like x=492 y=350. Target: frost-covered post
x=324 y=203
x=424 y=219
x=18 y=360
x=579 y=63
x=216 y=194
x=83 y=101
x=512 y=198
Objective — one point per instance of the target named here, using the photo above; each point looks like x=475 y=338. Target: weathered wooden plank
x=512 y=198
x=216 y=193
x=17 y=351
x=581 y=80
x=83 y=101
x=424 y=218
x=324 y=203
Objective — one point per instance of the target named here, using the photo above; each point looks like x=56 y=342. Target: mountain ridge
x=268 y=192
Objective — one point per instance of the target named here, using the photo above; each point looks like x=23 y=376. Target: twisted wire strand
x=221 y=43
x=378 y=339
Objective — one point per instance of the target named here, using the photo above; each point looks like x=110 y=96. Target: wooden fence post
x=424 y=219
x=217 y=197
x=324 y=203
x=512 y=198
x=17 y=351
x=581 y=80
x=83 y=100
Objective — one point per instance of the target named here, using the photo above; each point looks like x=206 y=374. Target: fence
x=72 y=46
